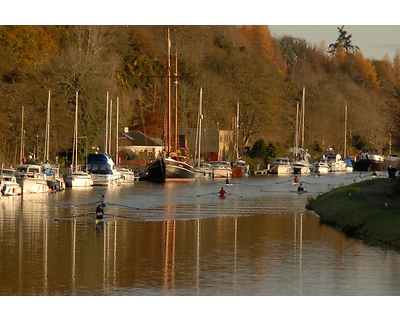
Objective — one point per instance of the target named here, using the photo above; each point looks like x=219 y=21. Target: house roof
x=137 y=138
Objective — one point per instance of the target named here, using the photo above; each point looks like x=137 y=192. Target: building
x=216 y=144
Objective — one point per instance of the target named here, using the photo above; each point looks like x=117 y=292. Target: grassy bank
x=348 y=210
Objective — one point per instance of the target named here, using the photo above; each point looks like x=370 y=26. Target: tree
x=345 y=40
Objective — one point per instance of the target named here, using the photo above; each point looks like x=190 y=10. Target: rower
x=300 y=188
x=99 y=212
x=222 y=192
x=295 y=180
x=227 y=181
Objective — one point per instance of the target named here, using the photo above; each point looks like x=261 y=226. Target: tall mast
x=176 y=101
x=116 y=135
x=75 y=147
x=200 y=120
x=345 y=131
x=22 y=135
x=106 y=133
x=169 y=97
x=109 y=129
x=47 y=138
x=237 y=131
x=302 y=116
x=297 y=132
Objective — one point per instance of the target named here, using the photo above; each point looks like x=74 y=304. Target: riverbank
x=368 y=210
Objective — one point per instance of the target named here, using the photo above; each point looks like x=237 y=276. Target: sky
x=374 y=41
x=373 y=27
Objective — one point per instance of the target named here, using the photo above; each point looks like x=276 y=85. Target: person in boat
x=99 y=212
x=295 y=180
x=103 y=201
x=227 y=181
x=300 y=188
x=222 y=192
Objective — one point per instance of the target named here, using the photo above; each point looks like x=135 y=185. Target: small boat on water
x=8 y=183
x=240 y=168
x=55 y=179
x=127 y=175
x=203 y=170
x=222 y=169
x=102 y=170
x=349 y=165
x=335 y=162
x=78 y=178
x=301 y=167
x=281 y=166
x=31 y=178
x=321 y=166
x=370 y=160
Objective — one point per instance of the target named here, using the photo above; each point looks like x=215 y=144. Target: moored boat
x=172 y=168
x=31 y=178
x=335 y=162
x=321 y=166
x=102 y=170
x=281 y=166
x=8 y=183
x=127 y=175
x=370 y=160
x=240 y=168
x=203 y=170
x=222 y=169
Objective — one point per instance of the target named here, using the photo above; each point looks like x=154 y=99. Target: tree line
x=232 y=64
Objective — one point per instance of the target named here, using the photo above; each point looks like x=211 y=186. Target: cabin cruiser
x=78 y=178
x=103 y=170
x=222 y=169
x=335 y=162
x=321 y=166
x=55 y=179
x=281 y=166
x=31 y=178
x=203 y=170
x=8 y=183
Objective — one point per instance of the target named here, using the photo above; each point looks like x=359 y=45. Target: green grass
x=358 y=217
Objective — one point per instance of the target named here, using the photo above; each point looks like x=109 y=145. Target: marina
x=178 y=239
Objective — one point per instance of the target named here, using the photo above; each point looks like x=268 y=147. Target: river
x=181 y=239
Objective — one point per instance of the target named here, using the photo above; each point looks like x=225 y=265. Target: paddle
x=77 y=216
x=207 y=194
x=283 y=181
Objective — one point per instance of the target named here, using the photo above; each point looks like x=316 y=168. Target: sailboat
x=54 y=177
x=77 y=177
x=300 y=164
x=29 y=176
x=201 y=169
x=170 y=166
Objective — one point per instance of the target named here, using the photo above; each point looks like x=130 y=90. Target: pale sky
x=374 y=26
x=374 y=41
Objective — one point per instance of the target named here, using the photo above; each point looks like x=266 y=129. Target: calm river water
x=181 y=239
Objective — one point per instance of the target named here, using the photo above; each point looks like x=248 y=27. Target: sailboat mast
x=176 y=102
x=169 y=97
x=75 y=147
x=345 y=131
x=302 y=116
x=22 y=136
x=106 y=133
x=47 y=138
x=116 y=135
x=109 y=129
x=200 y=120
x=237 y=131
x=296 y=133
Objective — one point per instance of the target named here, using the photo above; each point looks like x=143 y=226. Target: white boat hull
x=11 y=189
x=33 y=185
x=75 y=180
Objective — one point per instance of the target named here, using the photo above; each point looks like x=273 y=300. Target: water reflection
x=167 y=241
